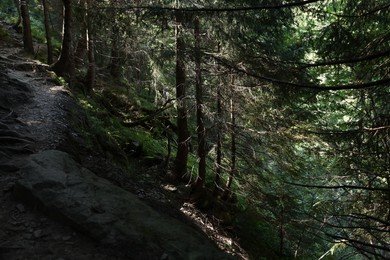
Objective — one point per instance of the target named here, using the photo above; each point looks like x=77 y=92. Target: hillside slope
x=35 y=178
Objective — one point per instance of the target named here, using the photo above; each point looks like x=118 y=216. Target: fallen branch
x=10 y=139
x=150 y=116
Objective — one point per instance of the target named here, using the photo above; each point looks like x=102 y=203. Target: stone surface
x=53 y=180
x=20 y=207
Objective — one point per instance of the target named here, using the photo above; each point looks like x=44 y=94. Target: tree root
x=13 y=140
x=10 y=114
x=9 y=150
x=4 y=126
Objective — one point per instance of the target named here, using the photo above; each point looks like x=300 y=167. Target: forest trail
x=44 y=113
x=34 y=113
x=28 y=105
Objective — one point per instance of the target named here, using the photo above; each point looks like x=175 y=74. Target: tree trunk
x=81 y=47
x=48 y=32
x=114 y=65
x=91 y=74
x=65 y=64
x=82 y=43
x=27 y=37
x=182 y=125
x=227 y=192
x=169 y=151
x=218 y=189
x=199 y=109
x=281 y=231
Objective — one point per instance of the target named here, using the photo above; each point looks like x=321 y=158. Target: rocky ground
x=34 y=117
x=33 y=111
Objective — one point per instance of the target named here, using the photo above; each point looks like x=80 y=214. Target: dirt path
x=45 y=113
x=33 y=114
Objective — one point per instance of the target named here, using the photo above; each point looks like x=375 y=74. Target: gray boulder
x=54 y=181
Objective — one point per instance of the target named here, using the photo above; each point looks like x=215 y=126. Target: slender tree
x=81 y=47
x=201 y=131
x=218 y=163
x=182 y=124
x=65 y=63
x=27 y=36
x=233 y=149
x=48 y=32
x=114 y=64
x=91 y=74
x=115 y=59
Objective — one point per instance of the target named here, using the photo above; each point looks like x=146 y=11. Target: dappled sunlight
x=261 y=124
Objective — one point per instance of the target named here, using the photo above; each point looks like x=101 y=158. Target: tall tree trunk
x=182 y=125
x=199 y=108
x=114 y=64
x=169 y=150
x=27 y=37
x=48 y=32
x=82 y=43
x=81 y=47
x=65 y=64
x=218 y=164
x=229 y=182
x=91 y=74
x=281 y=231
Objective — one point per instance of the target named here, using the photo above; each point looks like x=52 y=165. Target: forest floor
x=34 y=116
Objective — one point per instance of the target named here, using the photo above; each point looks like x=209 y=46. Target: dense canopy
x=276 y=109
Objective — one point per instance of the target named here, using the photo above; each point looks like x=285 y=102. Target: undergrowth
x=102 y=121
x=4 y=35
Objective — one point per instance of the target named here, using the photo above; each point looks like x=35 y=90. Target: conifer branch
x=340 y=187
x=241 y=69
x=347 y=61
x=216 y=9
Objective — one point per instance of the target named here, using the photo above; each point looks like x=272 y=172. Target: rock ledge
x=54 y=181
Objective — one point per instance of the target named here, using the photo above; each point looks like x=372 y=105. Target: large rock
x=52 y=179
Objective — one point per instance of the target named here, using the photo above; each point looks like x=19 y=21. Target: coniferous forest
x=274 y=114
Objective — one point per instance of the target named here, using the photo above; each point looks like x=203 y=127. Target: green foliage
x=4 y=35
x=8 y=11
x=257 y=235
x=102 y=119
x=96 y=134
x=283 y=135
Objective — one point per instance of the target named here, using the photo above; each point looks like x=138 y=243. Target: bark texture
x=91 y=74
x=27 y=36
x=65 y=64
x=48 y=32
x=182 y=124
x=201 y=131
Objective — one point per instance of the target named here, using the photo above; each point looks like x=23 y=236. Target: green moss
x=102 y=122
x=4 y=35
x=151 y=146
x=58 y=79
